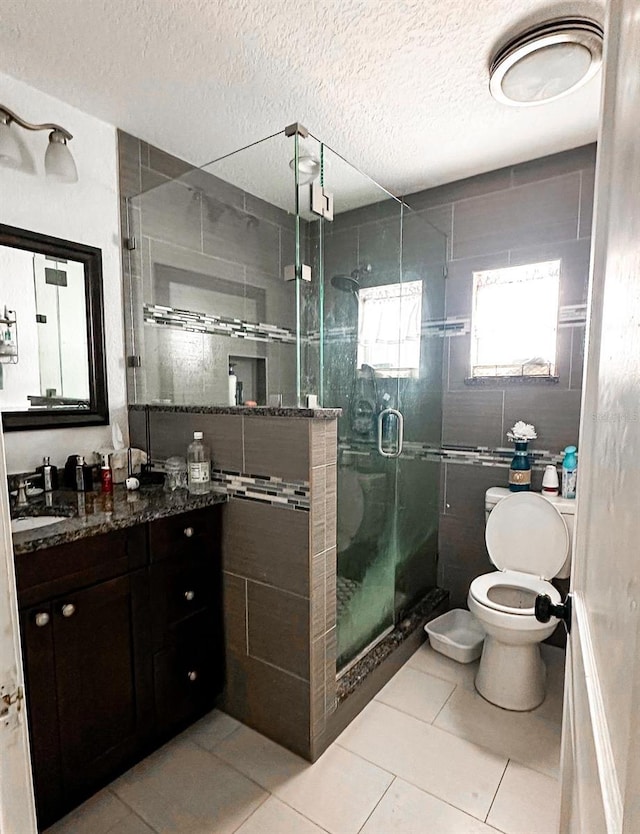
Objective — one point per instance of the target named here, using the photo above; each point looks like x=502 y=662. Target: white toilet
x=529 y=538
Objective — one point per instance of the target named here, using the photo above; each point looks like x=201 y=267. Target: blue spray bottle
x=569 y=472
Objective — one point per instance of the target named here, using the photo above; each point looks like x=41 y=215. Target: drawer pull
x=68 y=610
x=192 y=676
x=189 y=531
x=42 y=619
x=189 y=596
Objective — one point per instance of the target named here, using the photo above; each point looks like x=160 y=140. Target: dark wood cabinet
x=127 y=652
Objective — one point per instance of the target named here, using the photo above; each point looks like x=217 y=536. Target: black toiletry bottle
x=49 y=475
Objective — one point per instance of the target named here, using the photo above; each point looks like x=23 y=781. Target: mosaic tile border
x=478 y=456
x=161 y=316
x=291 y=495
x=570 y=315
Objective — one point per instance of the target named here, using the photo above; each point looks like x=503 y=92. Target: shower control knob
x=545 y=609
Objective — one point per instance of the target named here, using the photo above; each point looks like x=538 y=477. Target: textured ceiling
x=400 y=89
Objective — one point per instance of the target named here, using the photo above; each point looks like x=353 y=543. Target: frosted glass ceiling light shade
x=308 y=168
x=10 y=156
x=58 y=162
x=546 y=62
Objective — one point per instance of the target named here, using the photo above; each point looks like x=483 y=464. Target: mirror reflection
x=44 y=357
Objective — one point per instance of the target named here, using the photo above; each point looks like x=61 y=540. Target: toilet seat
x=482 y=587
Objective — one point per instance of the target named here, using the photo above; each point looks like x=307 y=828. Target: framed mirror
x=52 y=352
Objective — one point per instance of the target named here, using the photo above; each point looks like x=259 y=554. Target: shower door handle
x=398 y=415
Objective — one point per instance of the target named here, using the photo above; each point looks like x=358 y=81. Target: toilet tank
x=565 y=506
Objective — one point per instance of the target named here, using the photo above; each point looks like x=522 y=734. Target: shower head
x=345 y=283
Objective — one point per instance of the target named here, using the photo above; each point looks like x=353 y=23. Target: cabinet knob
x=192 y=676
x=42 y=619
x=189 y=531
x=189 y=595
x=68 y=610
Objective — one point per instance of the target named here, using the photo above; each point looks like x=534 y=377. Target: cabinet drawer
x=180 y=589
x=193 y=535
x=189 y=673
x=45 y=574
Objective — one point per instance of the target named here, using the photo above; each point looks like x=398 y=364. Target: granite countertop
x=246 y=411
x=102 y=513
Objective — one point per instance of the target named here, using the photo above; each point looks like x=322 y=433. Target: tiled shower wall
x=206 y=246
x=279 y=562
x=536 y=211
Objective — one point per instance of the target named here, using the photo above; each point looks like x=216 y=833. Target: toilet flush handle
x=545 y=610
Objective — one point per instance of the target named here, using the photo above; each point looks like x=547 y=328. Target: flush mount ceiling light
x=546 y=62
x=58 y=161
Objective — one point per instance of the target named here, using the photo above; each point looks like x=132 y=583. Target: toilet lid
x=526 y=533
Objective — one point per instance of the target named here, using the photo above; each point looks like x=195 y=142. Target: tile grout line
x=435 y=718
x=255 y=810
x=413 y=784
x=497 y=789
x=262 y=788
x=131 y=810
x=373 y=810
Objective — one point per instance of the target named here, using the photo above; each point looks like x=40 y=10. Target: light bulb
x=58 y=161
x=10 y=156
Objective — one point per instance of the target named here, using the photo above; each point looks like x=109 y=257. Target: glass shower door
x=360 y=299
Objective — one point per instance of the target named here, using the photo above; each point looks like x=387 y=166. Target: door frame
x=17 y=805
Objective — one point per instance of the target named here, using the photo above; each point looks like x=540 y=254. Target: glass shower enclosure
x=286 y=264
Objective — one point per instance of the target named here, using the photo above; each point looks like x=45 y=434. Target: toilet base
x=511 y=677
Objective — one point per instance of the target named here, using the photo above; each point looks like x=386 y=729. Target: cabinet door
x=40 y=686
x=188 y=673
x=99 y=712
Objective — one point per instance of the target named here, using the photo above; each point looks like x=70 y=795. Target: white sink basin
x=20 y=525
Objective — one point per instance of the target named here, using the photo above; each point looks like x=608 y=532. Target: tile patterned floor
x=428 y=755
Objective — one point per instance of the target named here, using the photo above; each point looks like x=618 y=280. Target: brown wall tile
x=556 y=416
x=277 y=446
x=254 y=544
x=138 y=429
x=171 y=432
x=279 y=628
x=541 y=212
x=472 y=418
x=270 y=701
x=234 y=590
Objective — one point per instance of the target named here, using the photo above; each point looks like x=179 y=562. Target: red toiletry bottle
x=106 y=475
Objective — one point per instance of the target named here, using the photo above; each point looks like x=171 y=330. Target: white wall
x=85 y=212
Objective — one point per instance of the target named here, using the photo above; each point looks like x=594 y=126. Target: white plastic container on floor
x=456 y=634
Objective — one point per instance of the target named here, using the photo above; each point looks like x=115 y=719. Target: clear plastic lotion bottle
x=198 y=466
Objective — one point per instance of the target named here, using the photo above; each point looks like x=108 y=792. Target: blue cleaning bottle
x=569 y=472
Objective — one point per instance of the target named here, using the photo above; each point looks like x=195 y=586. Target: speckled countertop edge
x=103 y=514
x=246 y=411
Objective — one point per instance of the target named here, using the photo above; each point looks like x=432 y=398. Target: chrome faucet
x=23 y=485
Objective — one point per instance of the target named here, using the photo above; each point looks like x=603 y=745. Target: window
x=389 y=328
x=514 y=321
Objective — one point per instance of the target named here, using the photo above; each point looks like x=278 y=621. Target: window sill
x=479 y=381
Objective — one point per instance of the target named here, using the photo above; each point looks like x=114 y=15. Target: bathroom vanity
x=121 y=619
